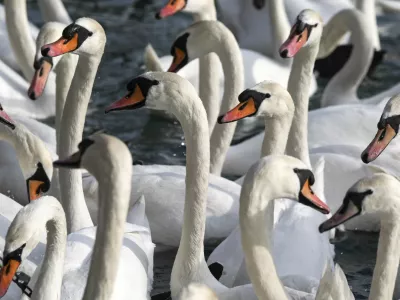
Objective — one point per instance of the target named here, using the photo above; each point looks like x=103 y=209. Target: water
x=156 y=139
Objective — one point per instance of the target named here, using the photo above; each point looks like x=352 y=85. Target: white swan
x=117 y=272
x=378 y=195
x=155 y=90
x=388 y=127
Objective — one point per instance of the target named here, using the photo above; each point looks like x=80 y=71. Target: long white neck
x=72 y=123
x=114 y=196
x=54 y=10
x=299 y=87
x=190 y=257
x=367 y=7
x=280 y=27
x=209 y=90
x=20 y=36
x=344 y=85
x=387 y=261
x=49 y=281
x=256 y=240
x=232 y=63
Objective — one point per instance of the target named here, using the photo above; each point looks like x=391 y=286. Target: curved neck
x=299 y=87
x=276 y=134
x=387 y=261
x=345 y=83
x=20 y=36
x=210 y=13
x=72 y=123
x=54 y=10
x=190 y=257
x=49 y=281
x=367 y=7
x=114 y=195
x=232 y=63
x=280 y=27
x=253 y=214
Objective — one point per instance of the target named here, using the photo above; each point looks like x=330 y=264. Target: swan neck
x=276 y=134
x=114 y=195
x=298 y=87
x=20 y=36
x=72 y=123
x=256 y=221
x=190 y=257
x=387 y=260
x=280 y=27
x=210 y=13
x=232 y=65
x=49 y=281
x=54 y=11
x=367 y=7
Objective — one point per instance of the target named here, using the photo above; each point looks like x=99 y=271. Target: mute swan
x=257 y=66
x=151 y=181
x=189 y=265
x=122 y=255
x=272 y=101
x=388 y=127
x=379 y=195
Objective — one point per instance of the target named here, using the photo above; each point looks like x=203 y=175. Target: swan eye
x=267 y=95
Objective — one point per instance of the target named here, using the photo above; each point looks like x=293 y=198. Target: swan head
x=191 y=44
x=98 y=153
x=84 y=37
x=375 y=194
x=24 y=234
x=306 y=31
x=190 y=6
x=388 y=127
x=154 y=90
x=282 y=176
x=44 y=65
x=268 y=99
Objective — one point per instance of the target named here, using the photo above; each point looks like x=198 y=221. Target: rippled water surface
x=155 y=139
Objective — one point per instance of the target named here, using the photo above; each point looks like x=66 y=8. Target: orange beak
x=179 y=60
x=294 y=43
x=7 y=274
x=34 y=189
x=133 y=100
x=39 y=80
x=171 y=8
x=242 y=110
x=310 y=199
x=382 y=139
x=60 y=46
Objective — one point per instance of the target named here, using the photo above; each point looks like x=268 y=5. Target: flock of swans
x=83 y=222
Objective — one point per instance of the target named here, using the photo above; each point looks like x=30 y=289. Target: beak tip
x=365 y=158
x=321 y=228
x=158 y=16
x=220 y=119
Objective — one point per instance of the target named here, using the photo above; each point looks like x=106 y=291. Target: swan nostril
x=45 y=51
x=364 y=157
x=284 y=53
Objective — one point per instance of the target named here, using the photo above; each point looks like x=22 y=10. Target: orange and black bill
x=242 y=110
x=34 y=189
x=11 y=263
x=382 y=139
x=43 y=69
x=61 y=46
x=5 y=119
x=297 y=38
x=307 y=197
x=171 y=8
x=179 y=61
x=132 y=100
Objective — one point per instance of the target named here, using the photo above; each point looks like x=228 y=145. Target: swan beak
x=307 y=197
x=347 y=211
x=5 y=119
x=60 y=46
x=71 y=162
x=133 y=100
x=242 y=110
x=378 y=144
x=294 y=43
x=7 y=274
x=171 y=8
x=180 y=60
x=40 y=77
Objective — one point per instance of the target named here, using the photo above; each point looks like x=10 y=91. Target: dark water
x=154 y=139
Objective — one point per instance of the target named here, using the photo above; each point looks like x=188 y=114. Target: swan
x=122 y=254
x=257 y=66
x=183 y=101
x=151 y=181
x=197 y=291
x=388 y=127
x=377 y=194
